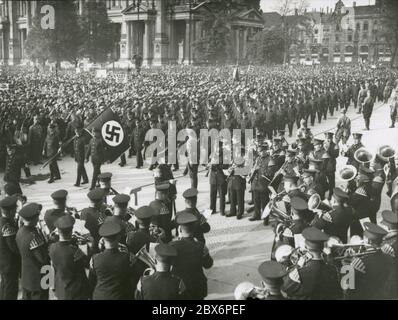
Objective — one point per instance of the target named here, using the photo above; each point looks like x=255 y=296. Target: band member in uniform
x=14 y=164
x=351 y=150
x=121 y=216
x=285 y=231
x=218 y=185
x=191 y=199
x=162 y=284
x=260 y=179
x=110 y=269
x=138 y=141
x=163 y=215
x=272 y=273
x=32 y=246
x=192 y=257
x=329 y=162
x=312 y=278
x=69 y=263
x=95 y=215
x=51 y=215
x=343 y=128
x=10 y=261
x=390 y=246
x=96 y=150
x=105 y=183
x=367 y=109
x=336 y=221
x=236 y=190
x=80 y=152
x=373 y=270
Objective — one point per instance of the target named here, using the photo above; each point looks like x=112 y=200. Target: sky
x=272 y=5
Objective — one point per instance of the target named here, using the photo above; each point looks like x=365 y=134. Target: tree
x=99 y=34
x=253 y=4
x=389 y=26
x=60 y=43
x=267 y=47
x=216 y=44
x=292 y=22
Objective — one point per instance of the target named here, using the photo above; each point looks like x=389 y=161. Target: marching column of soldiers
x=102 y=251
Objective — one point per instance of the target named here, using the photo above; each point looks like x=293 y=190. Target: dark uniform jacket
x=33 y=249
x=96 y=150
x=69 y=264
x=80 y=148
x=336 y=222
x=262 y=174
x=316 y=280
x=14 y=163
x=372 y=274
x=160 y=286
x=350 y=155
x=111 y=269
x=51 y=144
x=192 y=257
x=139 y=137
x=9 y=256
x=51 y=216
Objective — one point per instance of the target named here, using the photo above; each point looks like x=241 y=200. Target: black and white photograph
x=215 y=151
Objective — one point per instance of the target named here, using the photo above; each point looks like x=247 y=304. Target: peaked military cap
x=390 y=218
x=96 y=194
x=373 y=231
x=272 y=270
x=165 y=251
x=8 y=202
x=109 y=229
x=30 y=210
x=185 y=218
x=190 y=193
x=65 y=222
x=106 y=176
x=59 y=194
x=121 y=199
x=145 y=213
x=313 y=234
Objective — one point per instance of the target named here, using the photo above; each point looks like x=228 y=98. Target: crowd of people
x=40 y=112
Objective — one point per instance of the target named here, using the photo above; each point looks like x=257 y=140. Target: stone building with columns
x=161 y=31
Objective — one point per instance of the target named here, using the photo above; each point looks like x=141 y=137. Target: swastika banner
x=113 y=134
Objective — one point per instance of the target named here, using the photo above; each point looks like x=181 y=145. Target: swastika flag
x=115 y=138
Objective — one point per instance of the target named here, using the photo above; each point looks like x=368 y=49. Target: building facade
x=161 y=31
x=336 y=35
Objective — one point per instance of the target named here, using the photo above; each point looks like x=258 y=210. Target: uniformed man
x=121 y=216
x=343 y=131
x=14 y=163
x=351 y=150
x=10 y=261
x=69 y=263
x=285 y=231
x=218 y=185
x=367 y=109
x=372 y=271
x=163 y=216
x=390 y=246
x=33 y=248
x=329 y=162
x=312 y=278
x=80 y=152
x=236 y=191
x=191 y=199
x=110 y=270
x=105 y=183
x=162 y=284
x=272 y=273
x=138 y=239
x=192 y=257
x=336 y=221
x=95 y=215
x=51 y=215
x=35 y=140
x=50 y=149
x=310 y=185
x=138 y=140
x=96 y=150
x=260 y=179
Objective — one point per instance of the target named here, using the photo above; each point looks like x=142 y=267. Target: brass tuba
x=315 y=203
x=363 y=156
x=146 y=258
x=348 y=173
x=386 y=153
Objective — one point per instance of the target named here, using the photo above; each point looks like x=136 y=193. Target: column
x=237 y=44
x=13 y=31
x=244 y=53
x=148 y=43
x=125 y=41
x=188 y=42
x=28 y=16
x=161 y=43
